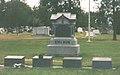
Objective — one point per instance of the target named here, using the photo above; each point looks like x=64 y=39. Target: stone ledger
x=9 y=61
x=102 y=62
x=46 y=61
x=72 y=62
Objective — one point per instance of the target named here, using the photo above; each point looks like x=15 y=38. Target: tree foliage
x=2 y=12
x=108 y=13
x=62 y=5
x=73 y=6
x=17 y=13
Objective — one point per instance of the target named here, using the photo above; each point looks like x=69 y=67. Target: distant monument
x=63 y=41
x=43 y=30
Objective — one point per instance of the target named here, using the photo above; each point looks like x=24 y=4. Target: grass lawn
x=27 y=45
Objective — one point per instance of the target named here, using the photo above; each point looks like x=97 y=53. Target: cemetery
x=59 y=37
x=30 y=48
x=65 y=52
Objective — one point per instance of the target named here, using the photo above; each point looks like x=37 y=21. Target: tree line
x=16 y=13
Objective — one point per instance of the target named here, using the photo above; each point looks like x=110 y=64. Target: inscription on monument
x=62 y=42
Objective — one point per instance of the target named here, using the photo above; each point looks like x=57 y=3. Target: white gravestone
x=96 y=31
x=80 y=30
x=41 y=30
x=2 y=30
x=91 y=34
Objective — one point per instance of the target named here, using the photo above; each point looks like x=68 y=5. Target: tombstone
x=102 y=62
x=96 y=31
x=80 y=30
x=91 y=34
x=10 y=61
x=42 y=61
x=41 y=30
x=63 y=41
x=72 y=62
x=2 y=30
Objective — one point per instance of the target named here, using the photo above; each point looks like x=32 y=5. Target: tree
x=41 y=16
x=2 y=12
x=108 y=11
x=44 y=16
x=17 y=14
x=55 y=6
x=61 y=5
x=117 y=22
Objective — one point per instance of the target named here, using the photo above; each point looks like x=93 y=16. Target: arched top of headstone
x=63 y=24
x=63 y=19
x=67 y=15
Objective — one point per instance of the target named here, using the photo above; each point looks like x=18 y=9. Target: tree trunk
x=114 y=24
x=114 y=32
x=17 y=30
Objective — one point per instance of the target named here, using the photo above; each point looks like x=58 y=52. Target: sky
x=84 y=4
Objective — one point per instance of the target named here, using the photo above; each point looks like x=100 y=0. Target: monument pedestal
x=63 y=46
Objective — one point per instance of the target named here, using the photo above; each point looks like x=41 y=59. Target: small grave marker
x=46 y=61
x=102 y=62
x=10 y=61
x=72 y=62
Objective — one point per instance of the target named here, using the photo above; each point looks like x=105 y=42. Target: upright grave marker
x=63 y=41
x=41 y=30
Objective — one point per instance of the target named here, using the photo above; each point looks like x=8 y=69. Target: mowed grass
x=64 y=71
x=28 y=45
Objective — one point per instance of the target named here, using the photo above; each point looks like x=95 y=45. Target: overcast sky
x=84 y=4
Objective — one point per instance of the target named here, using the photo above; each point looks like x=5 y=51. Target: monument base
x=63 y=46
x=63 y=50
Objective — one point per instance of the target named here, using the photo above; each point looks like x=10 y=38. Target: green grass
x=64 y=71
x=27 y=45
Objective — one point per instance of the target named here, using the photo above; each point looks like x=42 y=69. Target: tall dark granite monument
x=63 y=41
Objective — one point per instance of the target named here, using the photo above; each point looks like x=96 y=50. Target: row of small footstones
x=47 y=61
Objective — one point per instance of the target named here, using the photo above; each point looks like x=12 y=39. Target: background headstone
x=79 y=29
x=91 y=34
x=2 y=30
x=96 y=31
x=41 y=30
